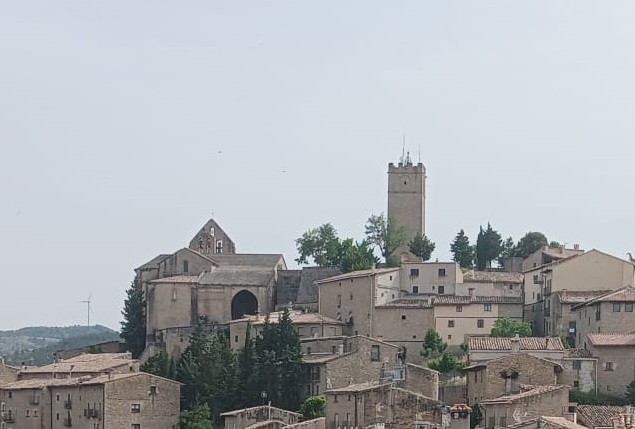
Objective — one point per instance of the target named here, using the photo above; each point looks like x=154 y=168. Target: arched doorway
x=244 y=302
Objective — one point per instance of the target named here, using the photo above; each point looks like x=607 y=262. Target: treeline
x=325 y=248
x=214 y=377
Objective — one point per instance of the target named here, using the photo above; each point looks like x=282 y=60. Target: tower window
x=219 y=246
x=405 y=183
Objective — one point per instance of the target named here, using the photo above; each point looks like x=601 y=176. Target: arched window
x=186 y=267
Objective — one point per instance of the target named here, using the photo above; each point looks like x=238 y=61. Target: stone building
x=132 y=400
x=564 y=320
x=505 y=376
x=487 y=348
x=529 y=404
x=580 y=370
x=407 y=198
x=548 y=422
x=548 y=254
x=492 y=283
x=352 y=297
x=457 y=318
x=8 y=373
x=616 y=361
x=250 y=417
x=588 y=271
x=330 y=363
x=430 y=278
x=376 y=403
x=308 y=325
x=212 y=240
x=403 y=321
x=611 y=312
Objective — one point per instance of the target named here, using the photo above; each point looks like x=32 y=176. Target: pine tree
x=462 y=251
x=133 y=326
x=290 y=360
x=422 y=247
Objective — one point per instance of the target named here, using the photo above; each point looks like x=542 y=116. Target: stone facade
x=430 y=278
x=110 y=401
x=212 y=240
x=403 y=322
x=482 y=349
x=506 y=375
x=366 y=404
x=511 y=409
x=352 y=297
x=241 y=419
x=8 y=373
x=588 y=271
x=407 y=198
x=615 y=362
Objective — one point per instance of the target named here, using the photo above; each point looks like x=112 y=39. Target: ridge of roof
x=628 y=291
x=356 y=274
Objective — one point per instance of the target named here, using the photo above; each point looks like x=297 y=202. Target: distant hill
x=36 y=345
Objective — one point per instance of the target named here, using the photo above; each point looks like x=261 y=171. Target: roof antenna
x=403 y=148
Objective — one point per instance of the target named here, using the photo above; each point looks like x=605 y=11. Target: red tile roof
x=526 y=343
x=607 y=340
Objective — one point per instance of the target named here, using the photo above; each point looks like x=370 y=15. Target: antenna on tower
x=87 y=302
x=403 y=148
x=419 y=161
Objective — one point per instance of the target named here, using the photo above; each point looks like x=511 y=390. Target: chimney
x=576 y=247
x=515 y=343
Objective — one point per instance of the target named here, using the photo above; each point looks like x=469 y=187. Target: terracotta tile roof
x=356 y=274
x=85 y=380
x=235 y=275
x=259 y=407
x=361 y=387
x=297 y=317
x=462 y=299
x=460 y=408
x=509 y=399
x=507 y=356
x=624 y=294
x=248 y=259
x=578 y=353
x=492 y=277
x=526 y=343
x=577 y=297
x=317 y=358
x=561 y=423
x=407 y=302
x=599 y=415
x=86 y=363
x=607 y=340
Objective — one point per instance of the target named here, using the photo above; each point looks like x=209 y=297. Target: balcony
x=68 y=422
x=34 y=400
x=68 y=404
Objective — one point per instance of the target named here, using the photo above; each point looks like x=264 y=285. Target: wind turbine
x=87 y=301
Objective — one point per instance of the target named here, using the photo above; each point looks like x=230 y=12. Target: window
x=617 y=307
x=608 y=366
x=487 y=307
x=308 y=350
x=414 y=272
x=480 y=323
x=403 y=317
x=441 y=272
x=27 y=413
x=235 y=338
x=577 y=364
x=441 y=290
x=415 y=291
x=576 y=383
x=628 y=307
x=153 y=390
x=339 y=301
x=135 y=426
x=450 y=323
x=219 y=246
x=449 y=337
x=350 y=297
x=414 y=337
x=374 y=353
x=135 y=408
x=390 y=277
x=186 y=267
x=459 y=308
x=315 y=373
x=608 y=388
x=335 y=399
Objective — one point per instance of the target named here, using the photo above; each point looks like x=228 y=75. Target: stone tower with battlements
x=407 y=197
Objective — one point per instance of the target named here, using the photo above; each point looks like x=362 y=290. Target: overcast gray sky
x=125 y=124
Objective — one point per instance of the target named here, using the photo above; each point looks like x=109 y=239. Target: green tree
x=353 y=256
x=462 y=251
x=508 y=249
x=133 y=326
x=320 y=244
x=386 y=235
x=433 y=344
x=507 y=327
x=160 y=364
x=446 y=363
x=476 y=417
x=247 y=390
x=191 y=368
x=530 y=242
x=422 y=247
x=279 y=357
x=555 y=244
x=198 y=418
x=488 y=247
x=313 y=407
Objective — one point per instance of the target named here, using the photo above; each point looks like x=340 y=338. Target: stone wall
x=240 y=419
x=319 y=423
x=615 y=367
x=579 y=373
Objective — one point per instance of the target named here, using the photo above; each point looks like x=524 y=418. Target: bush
x=590 y=398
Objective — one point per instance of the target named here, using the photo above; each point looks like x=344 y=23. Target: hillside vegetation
x=36 y=345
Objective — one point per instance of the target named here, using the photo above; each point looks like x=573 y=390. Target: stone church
x=208 y=278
